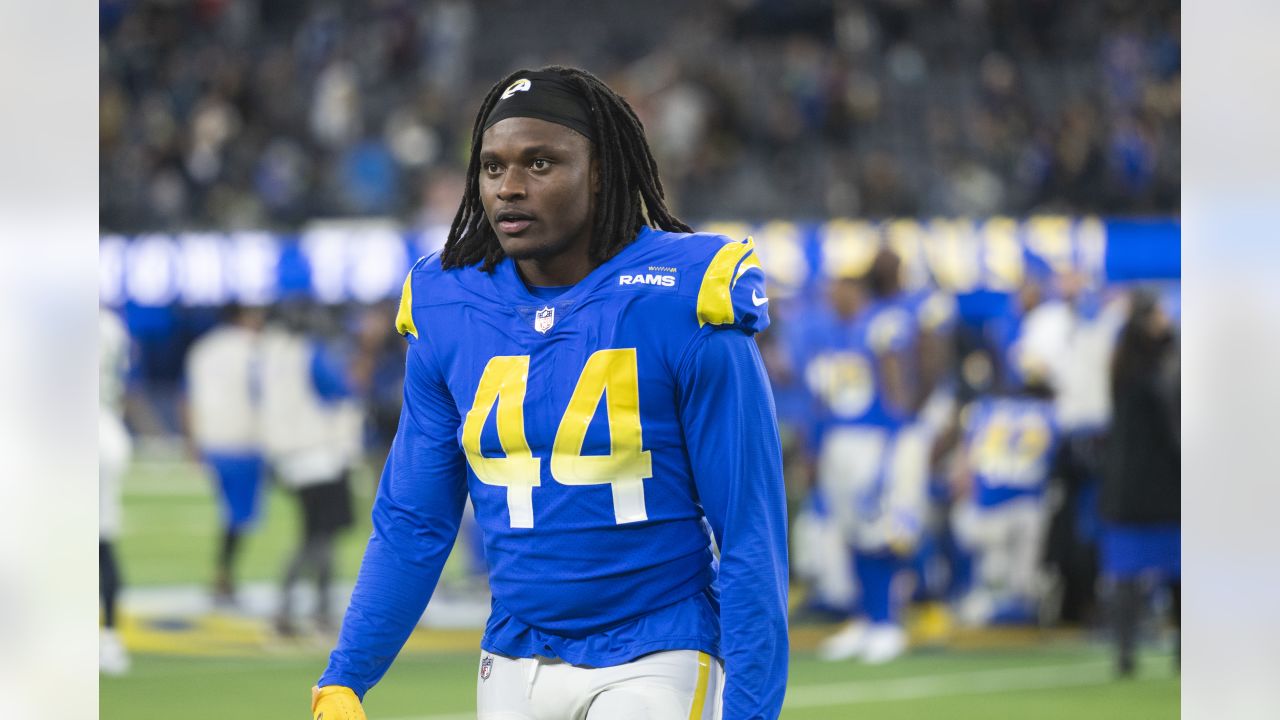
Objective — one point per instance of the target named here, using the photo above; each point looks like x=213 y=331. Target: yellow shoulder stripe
x=715 y=302
x=404 y=317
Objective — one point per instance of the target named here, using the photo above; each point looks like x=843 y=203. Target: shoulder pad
x=889 y=330
x=732 y=291
x=405 y=323
x=937 y=311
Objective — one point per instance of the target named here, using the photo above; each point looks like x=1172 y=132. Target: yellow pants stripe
x=700 y=692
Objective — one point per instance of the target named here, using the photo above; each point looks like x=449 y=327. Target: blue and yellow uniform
x=840 y=358
x=931 y=312
x=1009 y=446
x=599 y=430
x=863 y=453
x=1010 y=442
x=869 y=472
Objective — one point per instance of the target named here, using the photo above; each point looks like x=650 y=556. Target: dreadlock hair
x=629 y=191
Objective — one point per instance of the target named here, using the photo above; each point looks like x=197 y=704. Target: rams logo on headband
x=521 y=85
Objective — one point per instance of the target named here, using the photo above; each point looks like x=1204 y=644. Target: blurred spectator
x=761 y=109
x=223 y=430
x=1141 y=491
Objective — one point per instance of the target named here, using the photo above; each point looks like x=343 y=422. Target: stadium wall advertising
x=364 y=261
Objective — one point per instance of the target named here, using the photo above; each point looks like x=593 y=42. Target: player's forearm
x=753 y=584
x=736 y=458
x=388 y=600
x=753 y=594
x=415 y=523
x=753 y=620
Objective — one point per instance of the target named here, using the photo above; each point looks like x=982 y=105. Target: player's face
x=846 y=297
x=886 y=271
x=537 y=187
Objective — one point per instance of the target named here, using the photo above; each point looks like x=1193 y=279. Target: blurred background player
x=114 y=450
x=871 y=465
x=929 y=351
x=221 y=415
x=1007 y=448
x=1141 y=496
x=311 y=431
x=931 y=396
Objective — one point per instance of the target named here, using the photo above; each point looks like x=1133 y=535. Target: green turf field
x=171 y=528
x=231 y=667
x=1066 y=683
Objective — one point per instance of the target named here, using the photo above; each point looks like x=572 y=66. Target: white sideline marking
x=975 y=682
x=261 y=599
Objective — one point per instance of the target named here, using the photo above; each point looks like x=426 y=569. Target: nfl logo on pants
x=544 y=319
x=486 y=667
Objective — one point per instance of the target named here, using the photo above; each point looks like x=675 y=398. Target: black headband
x=545 y=96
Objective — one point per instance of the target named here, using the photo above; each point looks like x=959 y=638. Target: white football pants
x=670 y=685
x=853 y=459
x=1007 y=541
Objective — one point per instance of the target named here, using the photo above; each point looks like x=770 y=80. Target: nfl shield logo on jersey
x=544 y=319
x=486 y=667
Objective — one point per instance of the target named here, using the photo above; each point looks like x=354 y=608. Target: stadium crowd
x=245 y=114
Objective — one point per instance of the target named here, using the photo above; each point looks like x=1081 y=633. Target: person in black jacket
x=1140 y=499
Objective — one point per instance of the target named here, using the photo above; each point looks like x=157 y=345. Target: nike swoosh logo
x=757 y=299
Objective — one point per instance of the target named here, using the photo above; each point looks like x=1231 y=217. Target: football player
x=871 y=466
x=933 y=317
x=1006 y=452
x=583 y=367
x=931 y=397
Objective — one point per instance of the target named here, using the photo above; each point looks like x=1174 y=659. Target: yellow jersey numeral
x=503 y=382
x=1009 y=451
x=611 y=373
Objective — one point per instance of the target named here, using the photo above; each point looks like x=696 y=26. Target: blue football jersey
x=1000 y=333
x=841 y=370
x=599 y=432
x=932 y=310
x=1010 y=443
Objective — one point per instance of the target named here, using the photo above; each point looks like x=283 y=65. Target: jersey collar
x=514 y=289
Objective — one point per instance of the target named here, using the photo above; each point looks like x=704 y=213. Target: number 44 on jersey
x=612 y=373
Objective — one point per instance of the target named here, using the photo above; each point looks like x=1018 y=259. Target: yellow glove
x=335 y=702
